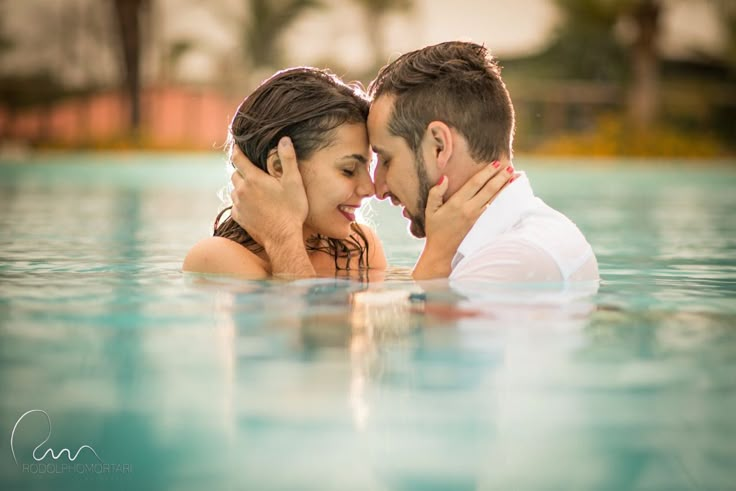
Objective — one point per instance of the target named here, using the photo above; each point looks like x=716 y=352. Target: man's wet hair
x=458 y=83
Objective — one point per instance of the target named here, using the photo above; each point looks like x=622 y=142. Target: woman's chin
x=339 y=233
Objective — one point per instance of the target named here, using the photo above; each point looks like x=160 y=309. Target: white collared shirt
x=519 y=238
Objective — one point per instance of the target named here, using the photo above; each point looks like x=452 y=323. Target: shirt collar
x=499 y=217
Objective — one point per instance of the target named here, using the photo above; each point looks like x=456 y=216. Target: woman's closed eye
x=350 y=165
x=349 y=170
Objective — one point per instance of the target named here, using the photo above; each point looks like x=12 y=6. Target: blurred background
x=653 y=78
x=236 y=385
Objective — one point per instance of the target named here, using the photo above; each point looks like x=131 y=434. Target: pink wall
x=172 y=117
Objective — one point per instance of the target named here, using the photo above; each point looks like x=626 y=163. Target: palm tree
x=727 y=12
x=375 y=12
x=129 y=17
x=643 y=104
x=587 y=45
x=266 y=22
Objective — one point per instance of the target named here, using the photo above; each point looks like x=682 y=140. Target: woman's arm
x=448 y=222
x=277 y=208
x=218 y=255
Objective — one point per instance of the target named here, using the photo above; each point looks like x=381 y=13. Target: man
x=442 y=114
x=444 y=109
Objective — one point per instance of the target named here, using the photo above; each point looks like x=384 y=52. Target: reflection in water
x=415 y=371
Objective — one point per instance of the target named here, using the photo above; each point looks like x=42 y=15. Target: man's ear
x=439 y=140
x=273 y=164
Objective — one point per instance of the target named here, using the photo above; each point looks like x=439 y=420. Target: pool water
x=181 y=382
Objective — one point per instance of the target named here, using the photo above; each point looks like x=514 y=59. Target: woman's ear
x=273 y=164
x=440 y=142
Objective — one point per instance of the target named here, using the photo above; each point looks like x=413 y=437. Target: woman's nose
x=365 y=188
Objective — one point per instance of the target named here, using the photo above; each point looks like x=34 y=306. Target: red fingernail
x=441 y=180
x=495 y=164
x=510 y=169
x=511 y=180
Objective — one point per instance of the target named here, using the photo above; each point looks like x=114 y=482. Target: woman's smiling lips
x=348 y=211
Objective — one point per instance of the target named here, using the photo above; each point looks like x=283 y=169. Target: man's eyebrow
x=356 y=156
x=378 y=150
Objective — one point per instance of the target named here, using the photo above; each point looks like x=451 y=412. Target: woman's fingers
x=436 y=196
x=476 y=183
x=490 y=189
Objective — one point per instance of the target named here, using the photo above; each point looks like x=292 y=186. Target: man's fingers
x=236 y=178
x=235 y=200
x=242 y=163
x=287 y=155
x=435 y=198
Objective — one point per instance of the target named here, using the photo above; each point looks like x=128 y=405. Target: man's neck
x=460 y=171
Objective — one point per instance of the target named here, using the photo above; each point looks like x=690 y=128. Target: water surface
x=183 y=383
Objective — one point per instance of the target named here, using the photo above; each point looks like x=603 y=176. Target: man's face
x=400 y=174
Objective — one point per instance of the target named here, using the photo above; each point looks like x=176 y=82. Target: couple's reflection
x=409 y=380
x=376 y=324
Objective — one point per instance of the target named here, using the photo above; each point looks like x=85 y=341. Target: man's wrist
x=285 y=236
x=289 y=257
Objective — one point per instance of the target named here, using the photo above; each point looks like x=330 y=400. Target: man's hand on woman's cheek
x=272 y=209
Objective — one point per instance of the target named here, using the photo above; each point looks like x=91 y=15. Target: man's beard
x=416 y=227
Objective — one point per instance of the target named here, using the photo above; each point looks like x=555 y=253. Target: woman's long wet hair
x=307 y=105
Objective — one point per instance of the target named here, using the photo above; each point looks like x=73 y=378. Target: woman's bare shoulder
x=376 y=255
x=218 y=255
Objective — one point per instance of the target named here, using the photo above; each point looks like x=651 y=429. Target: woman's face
x=336 y=180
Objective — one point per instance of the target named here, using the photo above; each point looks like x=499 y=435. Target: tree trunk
x=129 y=23
x=644 y=90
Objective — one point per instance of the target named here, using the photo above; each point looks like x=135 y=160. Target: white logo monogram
x=54 y=456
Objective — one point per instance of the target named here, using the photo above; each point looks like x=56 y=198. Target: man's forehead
x=378 y=118
x=381 y=108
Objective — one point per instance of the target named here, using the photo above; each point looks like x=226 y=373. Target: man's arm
x=273 y=209
x=289 y=258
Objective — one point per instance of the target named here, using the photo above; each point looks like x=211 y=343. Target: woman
x=325 y=121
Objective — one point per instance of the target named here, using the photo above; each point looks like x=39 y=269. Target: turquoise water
x=179 y=383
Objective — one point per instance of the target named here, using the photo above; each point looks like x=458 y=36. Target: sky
x=508 y=27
